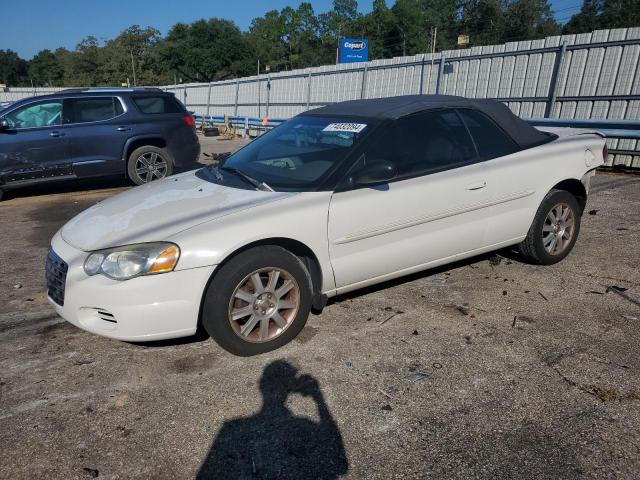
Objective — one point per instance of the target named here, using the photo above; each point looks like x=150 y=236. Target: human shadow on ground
x=274 y=443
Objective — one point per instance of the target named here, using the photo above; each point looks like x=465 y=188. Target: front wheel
x=149 y=163
x=258 y=301
x=554 y=230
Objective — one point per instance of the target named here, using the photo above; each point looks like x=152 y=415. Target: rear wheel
x=554 y=230
x=149 y=163
x=258 y=301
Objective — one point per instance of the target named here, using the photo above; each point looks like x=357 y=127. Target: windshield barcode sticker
x=345 y=127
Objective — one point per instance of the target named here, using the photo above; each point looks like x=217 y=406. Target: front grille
x=56 y=275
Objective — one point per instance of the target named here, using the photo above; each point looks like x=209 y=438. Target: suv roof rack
x=110 y=89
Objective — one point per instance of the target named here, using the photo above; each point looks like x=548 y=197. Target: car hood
x=157 y=210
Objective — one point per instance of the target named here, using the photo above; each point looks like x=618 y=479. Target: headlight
x=129 y=261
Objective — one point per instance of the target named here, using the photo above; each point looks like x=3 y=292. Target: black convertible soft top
x=395 y=107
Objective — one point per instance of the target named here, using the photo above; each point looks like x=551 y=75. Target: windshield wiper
x=247 y=178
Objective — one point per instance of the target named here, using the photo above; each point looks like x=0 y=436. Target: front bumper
x=146 y=308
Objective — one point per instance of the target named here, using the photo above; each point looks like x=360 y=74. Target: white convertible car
x=335 y=199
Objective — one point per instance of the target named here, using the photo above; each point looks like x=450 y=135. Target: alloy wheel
x=558 y=229
x=264 y=304
x=150 y=166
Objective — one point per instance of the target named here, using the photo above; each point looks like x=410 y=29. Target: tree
x=587 y=19
x=133 y=55
x=378 y=26
x=83 y=64
x=528 y=20
x=483 y=21
x=415 y=20
x=206 y=50
x=266 y=37
x=13 y=69
x=619 y=14
x=46 y=69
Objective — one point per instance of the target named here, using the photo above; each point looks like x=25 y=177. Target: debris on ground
x=540 y=293
x=415 y=332
x=417 y=376
x=389 y=309
x=387 y=408
x=437 y=365
x=629 y=317
x=348 y=363
x=495 y=260
x=463 y=310
x=623 y=293
x=94 y=473
x=593 y=212
x=17 y=286
x=219 y=158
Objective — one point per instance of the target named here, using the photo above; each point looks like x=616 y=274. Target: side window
x=41 y=114
x=424 y=143
x=157 y=104
x=84 y=110
x=491 y=141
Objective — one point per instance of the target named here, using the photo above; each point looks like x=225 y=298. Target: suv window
x=423 y=143
x=41 y=114
x=491 y=141
x=157 y=104
x=84 y=110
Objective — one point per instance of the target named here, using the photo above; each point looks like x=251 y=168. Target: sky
x=28 y=26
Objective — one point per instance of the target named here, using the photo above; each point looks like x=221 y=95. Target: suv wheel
x=149 y=163
x=258 y=301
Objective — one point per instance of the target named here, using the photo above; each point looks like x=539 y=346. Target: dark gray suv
x=143 y=133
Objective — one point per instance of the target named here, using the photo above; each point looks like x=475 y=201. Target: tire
x=148 y=163
x=265 y=318
x=539 y=247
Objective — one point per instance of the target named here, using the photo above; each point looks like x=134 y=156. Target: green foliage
x=13 y=70
x=600 y=14
x=205 y=50
x=297 y=37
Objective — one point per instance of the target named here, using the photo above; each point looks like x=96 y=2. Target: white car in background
x=335 y=199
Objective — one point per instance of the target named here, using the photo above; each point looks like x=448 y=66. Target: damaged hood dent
x=155 y=211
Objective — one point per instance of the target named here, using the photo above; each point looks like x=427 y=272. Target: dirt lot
x=484 y=369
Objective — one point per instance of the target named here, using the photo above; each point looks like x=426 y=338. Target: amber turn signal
x=166 y=260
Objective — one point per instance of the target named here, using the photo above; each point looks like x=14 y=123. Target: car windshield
x=299 y=154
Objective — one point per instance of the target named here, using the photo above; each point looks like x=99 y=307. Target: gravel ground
x=488 y=368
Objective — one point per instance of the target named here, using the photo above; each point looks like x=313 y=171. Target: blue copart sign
x=353 y=50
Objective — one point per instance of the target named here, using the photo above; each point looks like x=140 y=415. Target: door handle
x=123 y=129
x=476 y=186
x=56 y=134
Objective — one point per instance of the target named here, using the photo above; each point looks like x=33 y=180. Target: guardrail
x=244 y=123
x=628 y=129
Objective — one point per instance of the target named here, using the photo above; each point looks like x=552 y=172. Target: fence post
x=209 y=99
x=551 y=103
x=268 y=94
x=363 y=88
x=422 y=75
x=440 y=72
x=309 y=91
x=235 y=107
x=246 y=127
x=184 y=95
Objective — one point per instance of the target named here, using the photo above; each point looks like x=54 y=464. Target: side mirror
x=4 y=124
x=377 y=172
